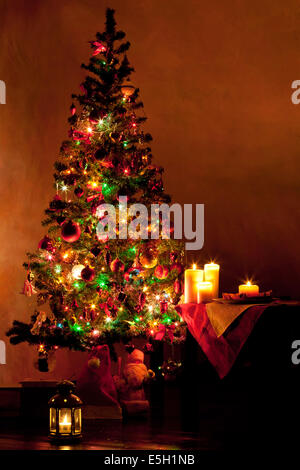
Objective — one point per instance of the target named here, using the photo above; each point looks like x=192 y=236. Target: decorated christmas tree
x=96 y=285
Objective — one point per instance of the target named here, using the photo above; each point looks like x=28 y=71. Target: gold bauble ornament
x=148 y=258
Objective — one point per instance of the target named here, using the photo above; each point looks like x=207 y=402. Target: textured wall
x=215 y=79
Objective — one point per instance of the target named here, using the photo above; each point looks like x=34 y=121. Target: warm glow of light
x=65 y=421
x=96 y=332
x=108 y=319
x=145 y=288
x=194 y=266
x=157 y=297
x=248 y=283
x=89 y=130
x=93 y=306
x=65 y=255
x=64 y=188
x=150 y=308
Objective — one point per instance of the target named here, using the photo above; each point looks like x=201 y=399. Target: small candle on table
x=249 y=289
x=211 y=274
x=192 y=277
x=205 y=292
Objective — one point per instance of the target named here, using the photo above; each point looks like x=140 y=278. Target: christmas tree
x=101 y=289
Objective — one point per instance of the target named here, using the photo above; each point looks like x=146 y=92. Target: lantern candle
x=65 y=421
x=192 y=277
x=205 y=292
x=249 y=289
x=211 y=274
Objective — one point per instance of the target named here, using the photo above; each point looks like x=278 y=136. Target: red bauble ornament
x=142 y=300
x=178 y=267
x=46 y=244
x=177 y=287
x=161 y=272
x=70 y=231
x=116 y=265
x=165 y=272
x=87 y=274
x=163 y=306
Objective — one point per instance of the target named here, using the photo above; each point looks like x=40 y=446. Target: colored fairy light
x=57 y=269
x=108 y=319
x=93 y=306
x=96 y=332
x=64 y=187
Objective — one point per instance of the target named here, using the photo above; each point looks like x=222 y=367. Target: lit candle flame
x=65 y=421
x=194 y=266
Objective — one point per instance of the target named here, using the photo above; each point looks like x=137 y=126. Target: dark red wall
x=215 y=78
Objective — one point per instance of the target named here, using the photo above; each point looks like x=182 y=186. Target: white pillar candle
x=211 y=274
x=249 y=289
x=205 y=290
x=192 y=277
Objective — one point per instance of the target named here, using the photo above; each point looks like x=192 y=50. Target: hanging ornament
x=28 y=289
x=88 y=274
x=148 y=258
x=116 y=265
x=178 y=267
x=100 y=154
x=161 y=272
x=70 y=231
x=107 y=258
x=142 y=300
x=127 y=89
x=78 y=191
x=121 y=296
x=76 y=271
x=177 y=287
x=95 y=251
x=46 y=244
x=163 y=306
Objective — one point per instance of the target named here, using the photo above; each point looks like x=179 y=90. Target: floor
x=206 y=418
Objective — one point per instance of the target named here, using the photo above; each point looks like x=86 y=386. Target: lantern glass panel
x=77 y=420
x=65 y=420
x=53 y=420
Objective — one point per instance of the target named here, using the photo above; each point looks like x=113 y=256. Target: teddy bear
x=130 y=384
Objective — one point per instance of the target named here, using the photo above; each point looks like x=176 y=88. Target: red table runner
x=221 y=351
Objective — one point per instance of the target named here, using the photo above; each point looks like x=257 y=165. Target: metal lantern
x=65 y=414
